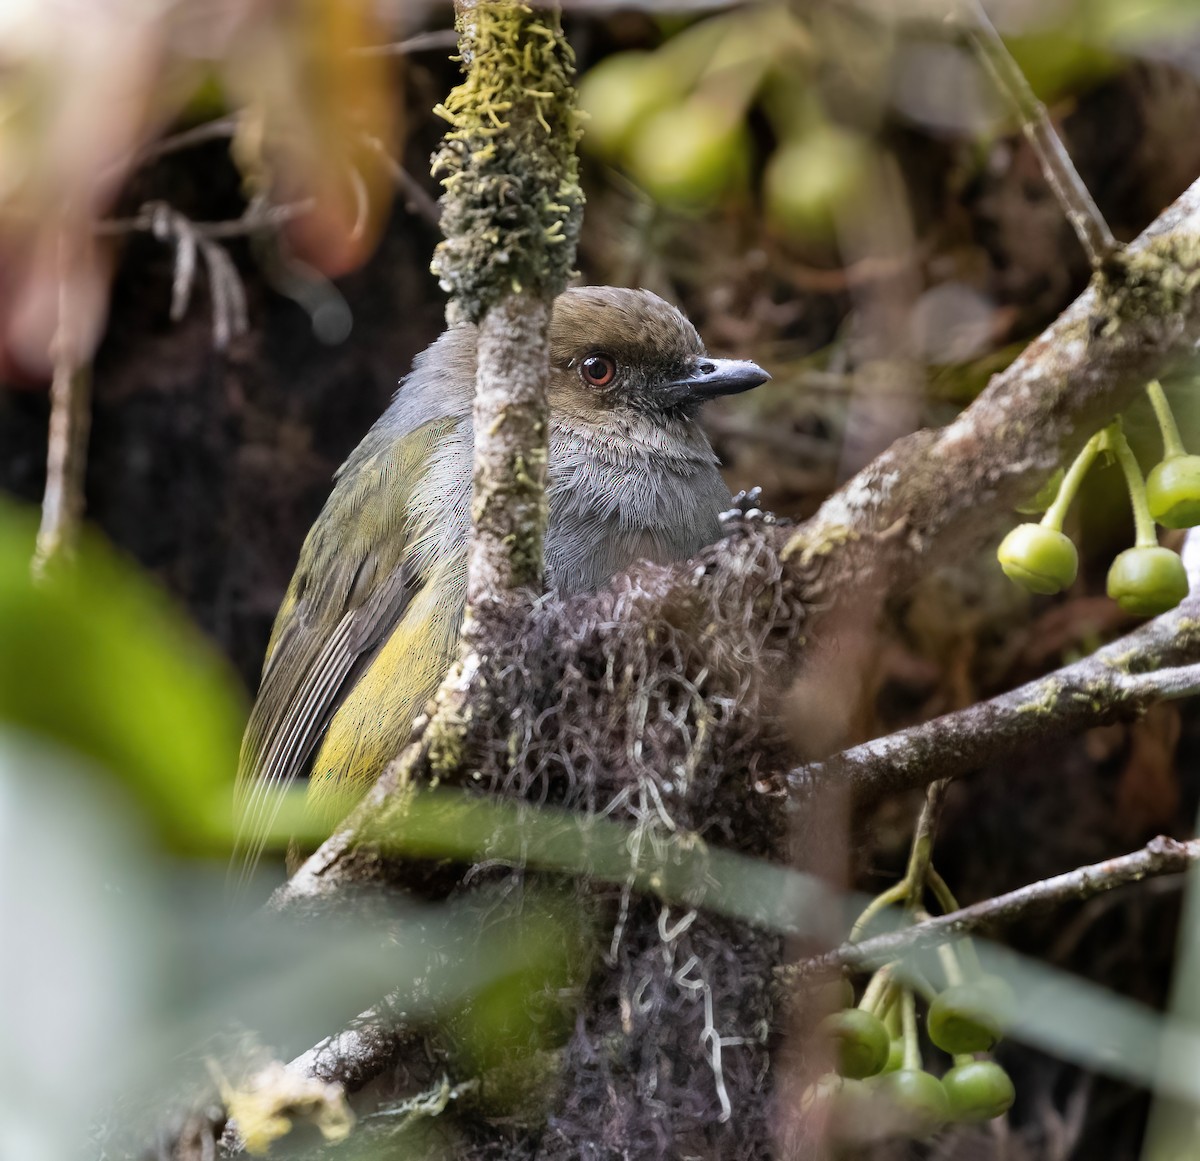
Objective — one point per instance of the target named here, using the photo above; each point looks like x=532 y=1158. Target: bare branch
x=260 y=216
x=167 y=224
x=66 y=453
x=1060 y=172
x=508 y=506
x=935 y=493
x=66 y=462
x=221 y=129
x=1161 y=856
x=1159 y=662
x=359 y=1052
x=416 y=200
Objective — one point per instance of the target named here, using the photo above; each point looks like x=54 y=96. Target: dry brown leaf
x=1148 y=789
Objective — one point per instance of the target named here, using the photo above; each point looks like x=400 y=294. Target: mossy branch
x=511 y=211
x=512 y=205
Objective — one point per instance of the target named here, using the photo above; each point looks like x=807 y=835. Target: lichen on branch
x=512 y=204
x=1155 y=282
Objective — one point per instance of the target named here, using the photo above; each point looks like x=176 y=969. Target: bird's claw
x=745 y=507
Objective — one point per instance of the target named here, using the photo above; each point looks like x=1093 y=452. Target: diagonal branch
x=1060 y=172
x=1161 y=856
x=1159 y=662
x=933 y=494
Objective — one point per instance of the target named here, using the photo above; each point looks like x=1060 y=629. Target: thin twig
x=259 y=216
x=66 y=461
x=230 y=314
x=229 y=308
x=220 y=129
x=920 y=857
x=443 y=38
x=216 y=130
x=1060 y=172
x=1161 y=856
x=416 y=199
x=66 y=453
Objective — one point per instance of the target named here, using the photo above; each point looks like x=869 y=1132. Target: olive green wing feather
x=355 y=579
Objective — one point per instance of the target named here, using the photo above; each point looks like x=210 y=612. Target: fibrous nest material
x=649 y=705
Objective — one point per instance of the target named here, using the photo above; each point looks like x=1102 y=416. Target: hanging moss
x=512 y=204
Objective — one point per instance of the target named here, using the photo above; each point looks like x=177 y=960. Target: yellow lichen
x=266 y=1107
x=810 y=547
x=508 y=164
x=1155 y=282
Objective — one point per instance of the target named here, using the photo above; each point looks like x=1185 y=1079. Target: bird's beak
x=708 y=378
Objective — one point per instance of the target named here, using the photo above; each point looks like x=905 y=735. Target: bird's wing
x=355 y=579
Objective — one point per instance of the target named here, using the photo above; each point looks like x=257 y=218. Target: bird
x=370 y=621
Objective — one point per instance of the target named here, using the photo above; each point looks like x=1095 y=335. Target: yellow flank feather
x=373 y=723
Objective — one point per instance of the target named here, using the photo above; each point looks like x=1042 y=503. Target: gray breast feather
x=607 y=511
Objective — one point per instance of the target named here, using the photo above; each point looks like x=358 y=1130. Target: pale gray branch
x=1060 y=172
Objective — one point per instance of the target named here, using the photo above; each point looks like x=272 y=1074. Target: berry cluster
x=880 y=1087
x=676 y=120
x=1146 y=579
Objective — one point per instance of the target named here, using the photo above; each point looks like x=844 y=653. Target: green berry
x=978 y=1091
x=1173 y=492
x=970 y=1017
x=1147 y=581
x=833 y=994
x=687 y=154
x=915 y=1102
x=809 y=181
x=1038 y=558
x=618 y=94
x=861 y=1041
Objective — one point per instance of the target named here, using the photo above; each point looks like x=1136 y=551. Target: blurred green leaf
x=1133 y=25
x=529 y=1006
x=1061 y=60
x=97 y=658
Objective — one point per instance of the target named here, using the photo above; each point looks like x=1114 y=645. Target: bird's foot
x=745 y=507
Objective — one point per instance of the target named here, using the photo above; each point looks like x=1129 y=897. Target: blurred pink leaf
x=86 y=84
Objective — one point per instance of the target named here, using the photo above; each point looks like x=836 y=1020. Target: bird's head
x=616 y=351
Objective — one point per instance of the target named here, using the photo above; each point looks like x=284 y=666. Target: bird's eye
x=598 y=370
